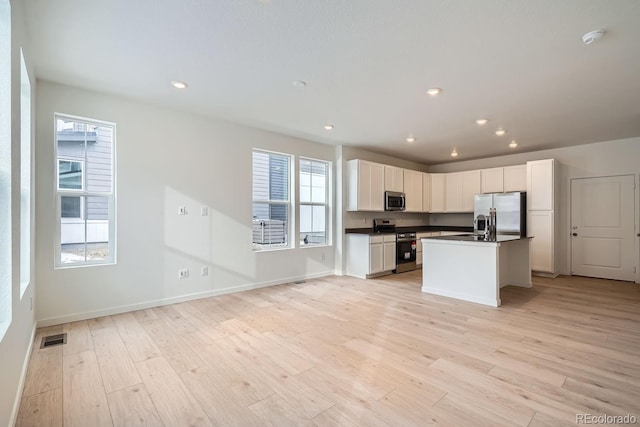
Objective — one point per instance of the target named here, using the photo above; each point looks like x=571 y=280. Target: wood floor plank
x=174 y=403
x=78 y=337
x=346 y=351
x=44 y=372
x=299 y=398
x=213 y=397
x=132 y=407
x=117 y=368
x=230 y=374
x=84 y=398
x=172 y=346
x=139 y=344
x=348 y=415
x=44 y=409
x=100 y=322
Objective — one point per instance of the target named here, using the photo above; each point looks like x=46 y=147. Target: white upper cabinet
x=470 y=187
x=426 y=192
x=493 y=180
x=365 y=186
x=413 y=190
x=540 y=187
x=437 y=191
x=515 y=178
x=393 y=179
x=453 y=195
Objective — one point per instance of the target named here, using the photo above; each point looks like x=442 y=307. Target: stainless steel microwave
x=394 y=201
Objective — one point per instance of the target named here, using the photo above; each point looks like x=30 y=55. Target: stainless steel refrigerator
x=511 y=211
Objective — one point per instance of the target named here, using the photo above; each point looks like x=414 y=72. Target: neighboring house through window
x=271 y=179
x=314 y=202
x=85 y=187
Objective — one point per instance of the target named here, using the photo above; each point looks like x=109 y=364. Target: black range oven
x=405 y=252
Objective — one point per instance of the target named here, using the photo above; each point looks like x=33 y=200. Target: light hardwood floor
x=345 y=351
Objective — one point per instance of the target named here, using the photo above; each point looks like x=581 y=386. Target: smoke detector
x=592 y=36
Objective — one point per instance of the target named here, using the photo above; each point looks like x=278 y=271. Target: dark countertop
x=416 y=229
x=471 y=238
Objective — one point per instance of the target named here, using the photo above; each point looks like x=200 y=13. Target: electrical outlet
x=204 y=271
x=182 y=210
x=183 y=273
x=322 y=256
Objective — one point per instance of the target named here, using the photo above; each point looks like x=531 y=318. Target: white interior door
x=602 y=227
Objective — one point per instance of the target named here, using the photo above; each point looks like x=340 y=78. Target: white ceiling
x=520 y=63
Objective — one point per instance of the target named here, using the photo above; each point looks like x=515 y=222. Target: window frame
x=326 y=204
x=6 y=236
x=84 y=194
x=290 y=203
x=26 y=182
x=71 y=219
x=82 y=174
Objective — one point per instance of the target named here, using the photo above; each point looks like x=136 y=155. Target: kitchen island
x=468 y=268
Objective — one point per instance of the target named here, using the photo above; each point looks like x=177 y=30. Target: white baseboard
x=544 y=274
x=167 y=301
x=23 y=377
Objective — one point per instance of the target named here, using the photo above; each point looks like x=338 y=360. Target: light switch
x=204 y=211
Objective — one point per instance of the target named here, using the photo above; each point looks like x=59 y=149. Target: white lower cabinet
x=389 y=255
x=370 y=255
x=540 y=226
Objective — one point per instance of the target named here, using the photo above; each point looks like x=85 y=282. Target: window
x=85 y=192
x=25 y=176
x=70 y=175
x=5 y=166
x=271 y=200
x=314 y=202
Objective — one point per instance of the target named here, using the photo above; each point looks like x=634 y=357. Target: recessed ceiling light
x=179 y=85
x=513 y=144
x=482 y=122
x=328 y=126
x=500 y=132
x=410 y=139
x=434 y=91
x=454 y=153
x=299 y=83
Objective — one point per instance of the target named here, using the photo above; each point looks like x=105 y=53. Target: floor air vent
x=299 y=282
x=52 y=340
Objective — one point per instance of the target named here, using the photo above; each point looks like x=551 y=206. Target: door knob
x=574 y=234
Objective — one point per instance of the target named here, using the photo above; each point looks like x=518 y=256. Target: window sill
x=82 y=265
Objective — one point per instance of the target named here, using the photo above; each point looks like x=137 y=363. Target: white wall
x=15 y=345
x=620 y=157
x=165 y=159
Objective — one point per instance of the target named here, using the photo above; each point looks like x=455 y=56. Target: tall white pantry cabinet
x=542 y=215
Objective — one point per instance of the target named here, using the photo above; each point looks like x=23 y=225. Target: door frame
x=636 y=216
